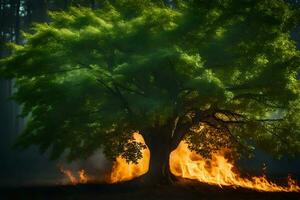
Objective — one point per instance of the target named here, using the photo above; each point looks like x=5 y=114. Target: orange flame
x=80 y=178
x=123 y=171
x=219 y=171
x=188 y=164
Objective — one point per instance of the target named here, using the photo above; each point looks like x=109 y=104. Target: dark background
x=30 y=167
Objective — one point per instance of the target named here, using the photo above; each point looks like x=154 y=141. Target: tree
x=89 y=79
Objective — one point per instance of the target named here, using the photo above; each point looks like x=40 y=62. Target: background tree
x=88 y=79
x=16 y=16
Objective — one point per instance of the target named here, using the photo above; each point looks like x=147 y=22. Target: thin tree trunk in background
x=93 y=4
x=39 y=10
x=66 y=4
x=28 y=17
x=11 y=27
x=2 y=36
x=17 y=24
x=15 y=37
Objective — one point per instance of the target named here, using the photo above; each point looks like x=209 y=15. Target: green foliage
x=88 y=79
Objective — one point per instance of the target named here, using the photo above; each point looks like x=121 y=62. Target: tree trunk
x=158 y=141
x=39 y=10
x=65 y=4
x=93 y=4
x=17 y=22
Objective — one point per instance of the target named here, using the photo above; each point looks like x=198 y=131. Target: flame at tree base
x=123 y=171
x=187 y=164
x=219 y=171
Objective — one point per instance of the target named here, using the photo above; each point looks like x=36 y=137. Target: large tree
x=89 y=79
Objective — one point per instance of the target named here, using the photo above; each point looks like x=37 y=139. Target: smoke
x=98 y=162
x=96 y=167
x=263 y=162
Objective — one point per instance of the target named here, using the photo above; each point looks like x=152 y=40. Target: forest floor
x=135 y=192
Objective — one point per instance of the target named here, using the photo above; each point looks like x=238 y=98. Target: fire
x=219 y=171
x=79 y=178
x=188 y=164
x=82 y=176
x=123 y=171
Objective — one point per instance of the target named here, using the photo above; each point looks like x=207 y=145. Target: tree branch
x=258 y=98
x=226 y=128
x=130 y=90
x=256 y=120
x=123 y=100
x=107 y=87
x=60 y=71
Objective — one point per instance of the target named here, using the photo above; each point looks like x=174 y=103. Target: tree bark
x=17 y=22
x=65 y=4
x=39 y=10
x=158 y=141
x=93 y=4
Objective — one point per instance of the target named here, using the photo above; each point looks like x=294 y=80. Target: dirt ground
x=135 y=192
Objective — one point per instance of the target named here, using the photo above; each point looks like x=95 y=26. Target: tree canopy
x=89 y=78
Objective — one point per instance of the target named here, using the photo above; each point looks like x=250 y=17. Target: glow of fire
x=123 y=171
x=219 y=171
x=80 y=178
x=188 y=164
